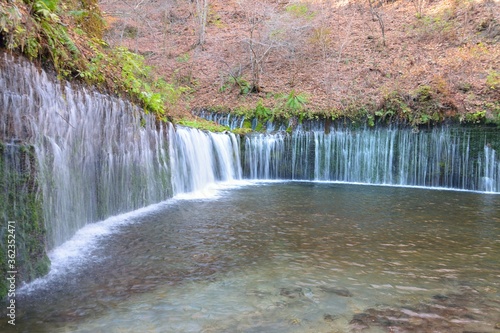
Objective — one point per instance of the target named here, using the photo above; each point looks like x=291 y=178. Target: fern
x=261 y=112
x=295 y=102
x=45 y=9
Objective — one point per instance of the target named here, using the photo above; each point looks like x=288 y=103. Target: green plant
x=370 y=120
x=261 y=112
x=295 y=101
x=423 y=93
x=129 y=74
x=31 y=47
x=45 y=9
x=242 y=131
x=183 y=58
x=300 y=10
x=136 y=79
x=237 y=81
x=62 y=49
x=10 y=20
x=385 y=114
x=87 y=57
x=475 y=117
x=493 y=80
x=393 y=104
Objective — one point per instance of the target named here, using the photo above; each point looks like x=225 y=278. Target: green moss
x=259 y=127
x=300 y=10
x=21 y=202
x=247 y=124
x=242 y=131
x=67 y=35
x=202 y=124
x=493 y=80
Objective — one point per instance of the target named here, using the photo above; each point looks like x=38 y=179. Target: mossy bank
x=21 y=203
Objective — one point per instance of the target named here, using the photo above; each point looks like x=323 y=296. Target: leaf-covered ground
x=424 y=61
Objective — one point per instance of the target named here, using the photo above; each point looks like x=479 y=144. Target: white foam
x=436 y=188
x=214 y=190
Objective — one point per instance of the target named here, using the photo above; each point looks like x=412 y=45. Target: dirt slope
x=335 y=52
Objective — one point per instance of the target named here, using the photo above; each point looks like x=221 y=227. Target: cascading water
x=99 y=155
x=201 y=158
x=225 y=119
x=441 y=157
x=451 y=157
x=95 y=159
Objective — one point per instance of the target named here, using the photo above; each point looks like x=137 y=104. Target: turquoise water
x=284 y=257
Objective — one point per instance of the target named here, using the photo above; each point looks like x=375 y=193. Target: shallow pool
x=285 y=257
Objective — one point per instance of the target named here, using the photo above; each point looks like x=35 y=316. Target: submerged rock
x=337 y=291
x=456 y=312
x=329 y=317
x=292 y=292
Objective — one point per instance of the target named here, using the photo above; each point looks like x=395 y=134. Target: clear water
x=284 y=257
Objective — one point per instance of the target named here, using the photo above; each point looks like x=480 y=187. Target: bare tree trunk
x=376 y=16
x=201 y=15
x=254 y=61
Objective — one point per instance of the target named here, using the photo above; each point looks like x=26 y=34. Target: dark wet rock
x=361 y=321
x=329 y=317
x=337 y=291
x=359 y=318
x=292 y=292
x=365 y=320
x=440 y=297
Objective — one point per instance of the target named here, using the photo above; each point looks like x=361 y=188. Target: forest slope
x=419 y=61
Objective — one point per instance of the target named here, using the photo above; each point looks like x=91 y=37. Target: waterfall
x=201 y=158
x=456 y=158
x=98 y=155
x=448 y=156
x=224 y=119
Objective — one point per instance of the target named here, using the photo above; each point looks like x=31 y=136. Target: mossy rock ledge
x=21 y=212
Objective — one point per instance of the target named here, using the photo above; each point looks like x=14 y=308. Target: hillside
x=417 y=61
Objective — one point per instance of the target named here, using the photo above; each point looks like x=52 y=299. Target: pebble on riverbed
x=338 y=291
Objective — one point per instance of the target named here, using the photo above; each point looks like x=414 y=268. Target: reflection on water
x=288 y=257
